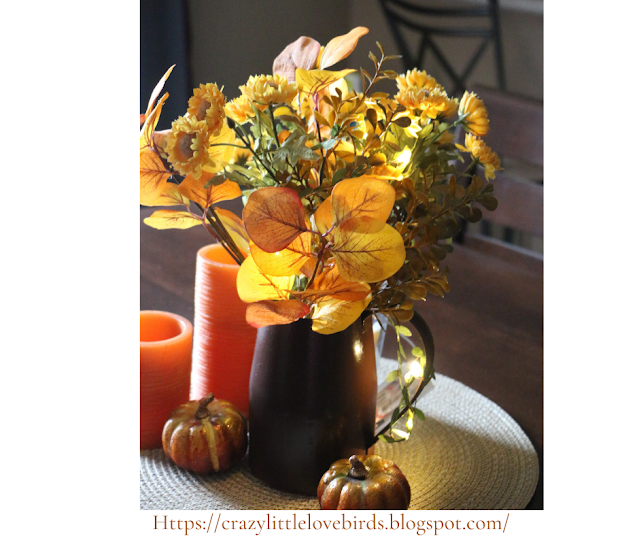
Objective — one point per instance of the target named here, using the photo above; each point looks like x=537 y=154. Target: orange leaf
x=169 y=197
x=220 y=149
x=363 y=253
x=273 y=218
x=172 y=219
x=153 y=176
x=235 y=228
x=146 y=133
x=157 y=89
x=194 y=190
x=340 y=47
x=315 y=80
x=331 y=284
x=324 y=216
x=271 y=313
x=253 y=285
x=362 y=197
x=300 y=54
x=288 y=261
x=332 y=315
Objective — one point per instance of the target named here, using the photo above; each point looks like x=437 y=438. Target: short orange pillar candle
x=165 y=371
x=223 y=342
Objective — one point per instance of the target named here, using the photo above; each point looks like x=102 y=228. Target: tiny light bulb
x=409 y=424
x=416 y=369
x=404 y=157
x=401 y=433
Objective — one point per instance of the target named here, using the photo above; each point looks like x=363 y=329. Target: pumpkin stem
x=358 y=470
x=202 y=412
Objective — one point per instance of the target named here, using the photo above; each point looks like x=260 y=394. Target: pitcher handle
x=429 y=371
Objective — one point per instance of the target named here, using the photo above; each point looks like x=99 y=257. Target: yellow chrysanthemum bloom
x=241 y=156
x=239 y=109
x=478 y=148
x=187 y=145
x=446 y=137
x=416 y=79
x=207 y=104
x=386 y=172
x=477 y=118
x=439 y=101
x=269 y=89
x=411 y=97
x=433 y=103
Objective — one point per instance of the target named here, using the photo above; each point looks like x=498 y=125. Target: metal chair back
x=432 y=21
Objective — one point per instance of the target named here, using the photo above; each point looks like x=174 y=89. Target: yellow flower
x=187 y=145
x=441 y=102
x=433 y=103
x=478 y=148
x=445 y=138
x=416 y=79
x=241 y=156
x=411 y=97
x=239 y=109
x=269 y=89
x=387 y=172
x=477 y=118
x=207 y=104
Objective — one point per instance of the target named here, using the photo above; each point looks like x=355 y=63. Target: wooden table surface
x=488 y=330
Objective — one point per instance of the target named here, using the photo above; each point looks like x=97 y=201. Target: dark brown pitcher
x=312 y=400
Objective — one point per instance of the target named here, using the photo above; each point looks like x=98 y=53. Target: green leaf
x=475 y=215
x=328 y=144
x=389 y=439
x=216 y=180
x=293 y=119
x=395 y=415
x=239 y=178
x=392 y=376
x=419 y=414
x=417 y=351
x=251 y=173
x=339 y=175
x=403 y=330
x=406 y=396
x=489 y=203
x=293 y=149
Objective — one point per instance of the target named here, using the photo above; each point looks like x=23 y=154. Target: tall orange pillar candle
x=223 y=342
x=165 y=370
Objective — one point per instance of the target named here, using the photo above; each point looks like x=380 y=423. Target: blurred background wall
x=226 y=41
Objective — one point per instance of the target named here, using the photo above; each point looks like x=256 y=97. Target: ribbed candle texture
x=223 y=342
x=165 y=370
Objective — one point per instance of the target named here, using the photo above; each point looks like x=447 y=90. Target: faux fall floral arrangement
x=351 y=198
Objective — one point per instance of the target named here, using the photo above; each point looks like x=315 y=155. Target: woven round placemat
x=468 y=454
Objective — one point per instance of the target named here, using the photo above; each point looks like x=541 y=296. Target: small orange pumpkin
x=363 y=483
x=205 y=436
